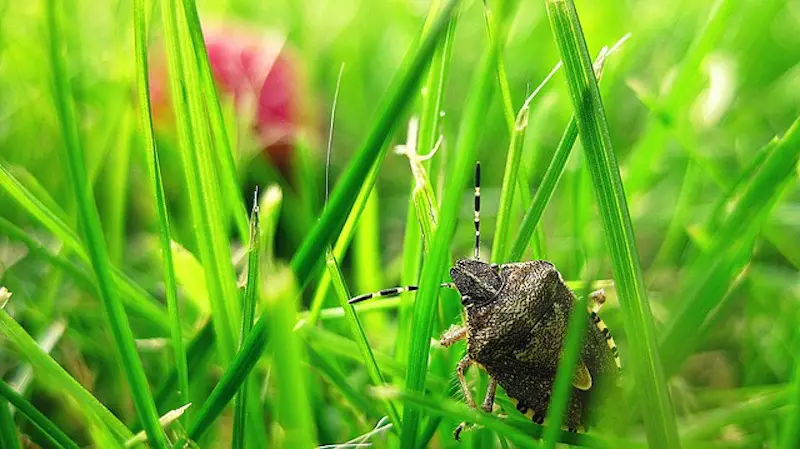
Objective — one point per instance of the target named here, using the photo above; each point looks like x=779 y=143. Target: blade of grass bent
x=342 y=199
x=510 y=184
x=653 y=394
x=47 y=427
x=96 y=246
x=154 y=166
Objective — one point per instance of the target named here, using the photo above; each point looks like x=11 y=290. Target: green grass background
x=127 y=251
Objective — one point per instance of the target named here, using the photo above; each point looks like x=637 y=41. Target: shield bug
x=515 y=325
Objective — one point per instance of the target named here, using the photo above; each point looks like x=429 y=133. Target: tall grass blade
x=154 y=166
x=223 y=150
x=292 y=406
x=201 y=182
x=562 y=387
x=593 y=129
x=248 y=314
x=554 y=170
x=8 y=430
x=434 y=265
x=47 y=427
x=357 y=331
x=341 y=202
x=96 y=246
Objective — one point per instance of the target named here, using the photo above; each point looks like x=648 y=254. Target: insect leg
x=596 y=299
x=477 y=211
x=463 y=365
x=488 y=400
x=452 y=335
x=391 y=292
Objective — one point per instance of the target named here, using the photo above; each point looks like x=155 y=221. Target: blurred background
x=691 y=97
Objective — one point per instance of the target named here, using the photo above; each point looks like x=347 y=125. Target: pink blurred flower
x=259 y=73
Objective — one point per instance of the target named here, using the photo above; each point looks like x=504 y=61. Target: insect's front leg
x=452 y=335
x=463 y=365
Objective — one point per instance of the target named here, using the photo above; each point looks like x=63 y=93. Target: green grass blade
x=510 y=176
x=47 y=427
x=197 y=350
x=434 y=265
x=134 y=296
x=96 y=246
x=248 y=314
x=339 y=249
x=551 y=176
x=521 y=432
x=545 y=191
x=154 y=165
x=8 y=430
x=292 y=407
x=372 y=150
x=357 y=332
x=201 y=183
x=340 y=204
x=51 y=372
x=222 y=148
x=496 y=32
x=562 y=387
x=593 y=129
x=710 y=274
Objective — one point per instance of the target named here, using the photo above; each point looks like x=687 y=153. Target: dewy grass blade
x=368 y=157
x=248 y=314
x=96 y=246
x=47 y=370
x=432 y=271
x=154 y=165
x=358 y=333
x=205 y=204
x=646 y=366
x=47 y=427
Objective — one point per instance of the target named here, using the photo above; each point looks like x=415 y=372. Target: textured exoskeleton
x=516 y=321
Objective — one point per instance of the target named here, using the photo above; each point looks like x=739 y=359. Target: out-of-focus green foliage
x=701 y=109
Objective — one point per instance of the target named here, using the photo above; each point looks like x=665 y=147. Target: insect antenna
x=392 y=292
x=477 y=210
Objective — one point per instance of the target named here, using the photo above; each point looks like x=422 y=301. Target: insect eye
x=465 y=300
